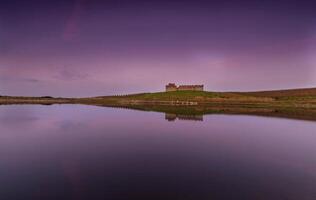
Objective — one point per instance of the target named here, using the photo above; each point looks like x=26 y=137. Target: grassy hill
x=202 y=95
x=282 y=98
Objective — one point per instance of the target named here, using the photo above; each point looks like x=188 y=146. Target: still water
x=88 y=152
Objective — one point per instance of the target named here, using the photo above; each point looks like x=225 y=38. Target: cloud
x=12 y=78
x=31 y=80
x=68 y=74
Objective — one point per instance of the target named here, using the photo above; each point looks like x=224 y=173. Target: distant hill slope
x=288 y=92
x=305 y=93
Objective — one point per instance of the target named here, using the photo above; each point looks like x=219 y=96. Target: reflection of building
x=173 y=87
x=173 y=117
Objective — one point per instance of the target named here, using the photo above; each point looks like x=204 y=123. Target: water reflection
x=196 y=113
x=173 y=117
x=88 y=152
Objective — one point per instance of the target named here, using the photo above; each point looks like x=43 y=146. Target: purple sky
x=94 y=47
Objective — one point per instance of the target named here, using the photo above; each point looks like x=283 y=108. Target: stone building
x=173 y=87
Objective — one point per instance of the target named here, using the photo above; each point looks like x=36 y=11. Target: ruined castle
x=173 y=87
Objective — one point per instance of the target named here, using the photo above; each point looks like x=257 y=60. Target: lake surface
x=89 y=152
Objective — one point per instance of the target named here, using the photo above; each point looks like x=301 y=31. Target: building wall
x=199 y=88
x=170 y=89
x=188 y=88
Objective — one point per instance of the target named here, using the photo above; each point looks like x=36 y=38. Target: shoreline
x=296 y=103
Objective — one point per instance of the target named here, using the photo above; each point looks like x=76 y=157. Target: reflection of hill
x=197 y=112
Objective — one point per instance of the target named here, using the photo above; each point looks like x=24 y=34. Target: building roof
x=171 y=85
